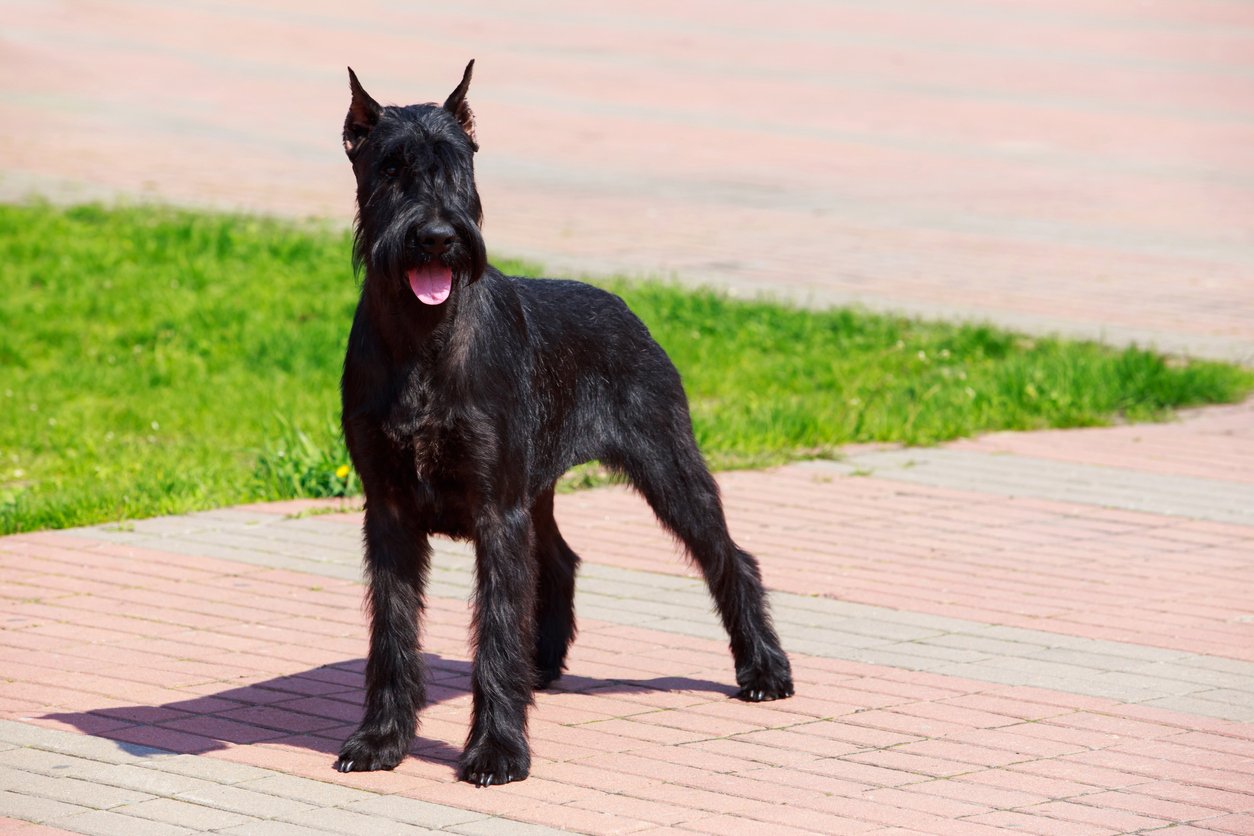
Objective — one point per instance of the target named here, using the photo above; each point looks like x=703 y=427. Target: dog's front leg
x=397 y=557
x=503 y=676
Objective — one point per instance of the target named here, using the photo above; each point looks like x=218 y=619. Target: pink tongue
x=431 y=283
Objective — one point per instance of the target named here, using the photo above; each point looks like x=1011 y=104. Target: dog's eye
x=390 y=169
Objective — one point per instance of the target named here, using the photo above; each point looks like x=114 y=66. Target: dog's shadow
x=314 y=710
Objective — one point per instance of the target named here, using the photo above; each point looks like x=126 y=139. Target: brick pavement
x=968 y=660
x=1052 y=165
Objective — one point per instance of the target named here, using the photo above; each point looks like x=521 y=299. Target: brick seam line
x=1190 y=683
x=218 y=794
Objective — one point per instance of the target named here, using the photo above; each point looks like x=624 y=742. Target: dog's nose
x=436 y=238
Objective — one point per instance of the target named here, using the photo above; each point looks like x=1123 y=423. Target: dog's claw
x=765 y=694
x=488 y=779
x=495 y=771
x=368 y=751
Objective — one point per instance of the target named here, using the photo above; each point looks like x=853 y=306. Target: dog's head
x=418 y=212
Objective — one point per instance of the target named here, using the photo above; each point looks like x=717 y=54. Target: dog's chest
x=420 y=423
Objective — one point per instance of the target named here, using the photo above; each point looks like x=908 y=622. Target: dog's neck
x=413 y=332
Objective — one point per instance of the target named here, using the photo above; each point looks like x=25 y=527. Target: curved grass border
x=159 y=361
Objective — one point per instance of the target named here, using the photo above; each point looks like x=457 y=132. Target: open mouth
x=431 y=283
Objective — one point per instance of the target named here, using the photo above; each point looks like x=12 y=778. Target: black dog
x=466 y=395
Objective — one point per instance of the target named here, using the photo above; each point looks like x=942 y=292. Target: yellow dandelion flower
x=341 y=472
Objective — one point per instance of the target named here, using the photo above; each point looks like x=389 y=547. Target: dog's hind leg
x=667 y=468
x=556 y=565
x=397 y=558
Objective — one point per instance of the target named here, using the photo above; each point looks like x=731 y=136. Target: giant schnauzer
x=466 y=394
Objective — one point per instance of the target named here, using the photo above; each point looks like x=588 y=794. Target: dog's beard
x=394 y=257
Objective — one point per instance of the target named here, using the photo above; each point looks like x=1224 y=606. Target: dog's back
x=599 y=377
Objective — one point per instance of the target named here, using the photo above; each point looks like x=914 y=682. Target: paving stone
x=210 y=769
x=413 y=811
x=81 y=792
x=1218 y=664
x=37 y=760
x=991 y=671
x=1137 y=683
x=1202 y=499
x=275 y=828
x=248 y=802
x=825 y=647
x=502 y=827
x=184 y=814
x=1000 y=648
x=148 y=779
x=1184 y=671
x=894 y=658
x=1229 y=696
x=1086 y=659
x=830 y=643
x=686 y=627
x=625 y=617
x=343 y=821
x=316 y=793
x=102 y=749
x=104 y=823
x=890 y=630
x=35 y=808
x=11 y=778
x=94 y=748
x=933 y=654
x=1020 y=635
x=1191 y=704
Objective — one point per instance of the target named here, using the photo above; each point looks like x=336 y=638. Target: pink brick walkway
x=967 y=662
x=1057 y=165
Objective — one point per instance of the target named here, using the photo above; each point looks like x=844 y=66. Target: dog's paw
x=549 y=660
x=487 y=764
x=367 y=751
x=766 y=694
x=772 y=682
x=545 y=678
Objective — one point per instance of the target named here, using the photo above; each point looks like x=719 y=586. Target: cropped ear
x=363 y=115
x=456 y=105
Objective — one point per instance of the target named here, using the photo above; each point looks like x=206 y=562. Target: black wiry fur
x=460 y=417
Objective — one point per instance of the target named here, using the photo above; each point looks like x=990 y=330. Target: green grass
x=768 y=382
x=156 y=361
